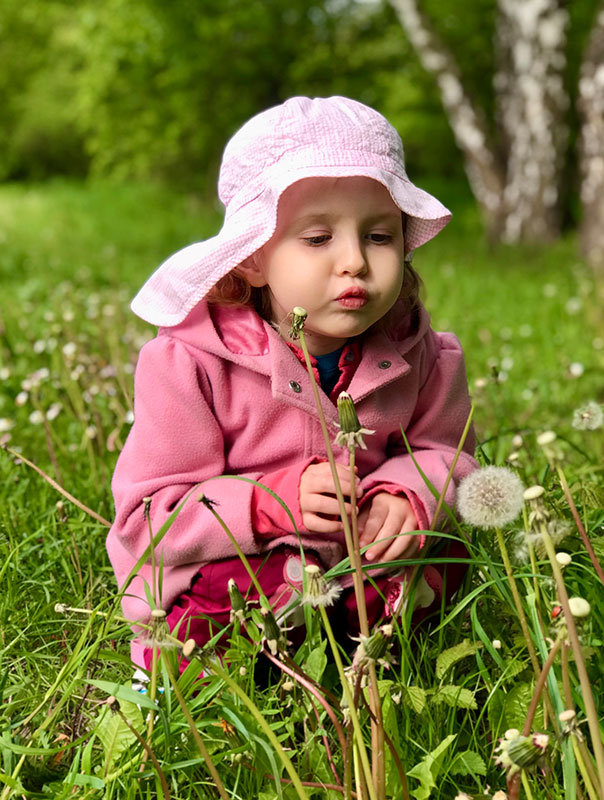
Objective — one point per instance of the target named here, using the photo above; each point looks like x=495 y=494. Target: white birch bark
x=531 y=104
x=518 y=193
x=467 y=122
x=591 y=145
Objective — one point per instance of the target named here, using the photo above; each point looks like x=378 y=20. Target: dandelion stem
x=518 y=602
x=360 y=744
x=59 y=488
x=196 y=735
x=578 y=523
x=588 y=699
x=239 y=551
x=539 y=686
x=236 y=689
x=147 y=754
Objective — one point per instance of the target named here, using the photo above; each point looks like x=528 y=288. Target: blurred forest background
x=504 y=97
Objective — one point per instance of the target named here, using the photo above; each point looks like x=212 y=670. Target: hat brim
x=185 y=278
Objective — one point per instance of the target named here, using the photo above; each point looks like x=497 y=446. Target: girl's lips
x=353 y=297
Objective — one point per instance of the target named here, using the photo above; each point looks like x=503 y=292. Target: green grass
x=71 y=259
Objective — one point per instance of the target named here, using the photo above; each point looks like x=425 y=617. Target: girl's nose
x=352 y=259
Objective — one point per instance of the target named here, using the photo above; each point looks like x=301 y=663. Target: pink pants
x=278 y=573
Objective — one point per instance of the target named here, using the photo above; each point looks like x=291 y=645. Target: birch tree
x=591 y=145
x=512 y=170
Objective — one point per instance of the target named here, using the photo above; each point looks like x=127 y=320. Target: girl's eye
x=315 y=241
x=380 y=238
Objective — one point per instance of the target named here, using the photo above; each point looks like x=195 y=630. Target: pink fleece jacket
x=221 y=394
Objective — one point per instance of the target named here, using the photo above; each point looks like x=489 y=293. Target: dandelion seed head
x=576 y=369
x=496 y=644
x=318 y=591
x=490 y=497
x=517 y=441
x=589 y=417
x=567 y=715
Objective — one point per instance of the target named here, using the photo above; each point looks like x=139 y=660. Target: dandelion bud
x=287 y=686
x=349 y=422
x=272 y=633
x=147 y=507
x=567 y=715
x=242 y=671
x=351 y=433
x=238 y=604
x=517 y=441
x=113 y=703
x=318 y=591
x=372 y=649
x=579 y=607
x=462 y=796
x=563 y=559
x=516 y=752
x=496 y=644
x=299 y=315
x=490 y=497
x=189 y=649
x=546 y=438
x=61 y=608
x=500 y=796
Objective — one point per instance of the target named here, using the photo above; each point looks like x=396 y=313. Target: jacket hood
x=240 y=335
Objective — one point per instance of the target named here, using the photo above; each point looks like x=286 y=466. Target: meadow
x=72 y=256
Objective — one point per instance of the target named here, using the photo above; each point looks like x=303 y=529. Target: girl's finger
x=316 y=524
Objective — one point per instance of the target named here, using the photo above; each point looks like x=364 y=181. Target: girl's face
x=338 y=252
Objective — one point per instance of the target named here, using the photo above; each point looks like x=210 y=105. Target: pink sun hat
x=302 y=138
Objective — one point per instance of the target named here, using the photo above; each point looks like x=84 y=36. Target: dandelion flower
x=490 y=497
x=589 y=417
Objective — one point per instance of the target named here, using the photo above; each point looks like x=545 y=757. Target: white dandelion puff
x=490 y=497
x=318 y=591
x=589 y=417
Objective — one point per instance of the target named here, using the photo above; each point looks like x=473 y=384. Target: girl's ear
x=252 y=271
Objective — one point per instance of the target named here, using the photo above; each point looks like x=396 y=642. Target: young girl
x=320 y=213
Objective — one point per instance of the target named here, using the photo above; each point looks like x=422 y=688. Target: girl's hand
x=318 y=501
x=384 y=517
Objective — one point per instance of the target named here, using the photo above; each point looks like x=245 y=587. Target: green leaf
x=113 y=732
x=315 y=664
x=515 y=705
x=447 y=658
x=124 y=693
x=427 y=771
x=468 y=763
x=415 y=698
x=455 y=696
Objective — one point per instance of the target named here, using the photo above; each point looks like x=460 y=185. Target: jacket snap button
x=349 y=356
x=385 y=364
x=295 y=386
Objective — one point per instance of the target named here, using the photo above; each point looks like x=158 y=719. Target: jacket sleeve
x=433 y=432
x=175 y=444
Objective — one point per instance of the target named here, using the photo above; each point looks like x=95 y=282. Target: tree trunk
x=591 y=146
x=467 y=122
x=519 y=198
x=531 y=106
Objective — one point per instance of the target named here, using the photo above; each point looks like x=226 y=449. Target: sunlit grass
x=72 y=257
